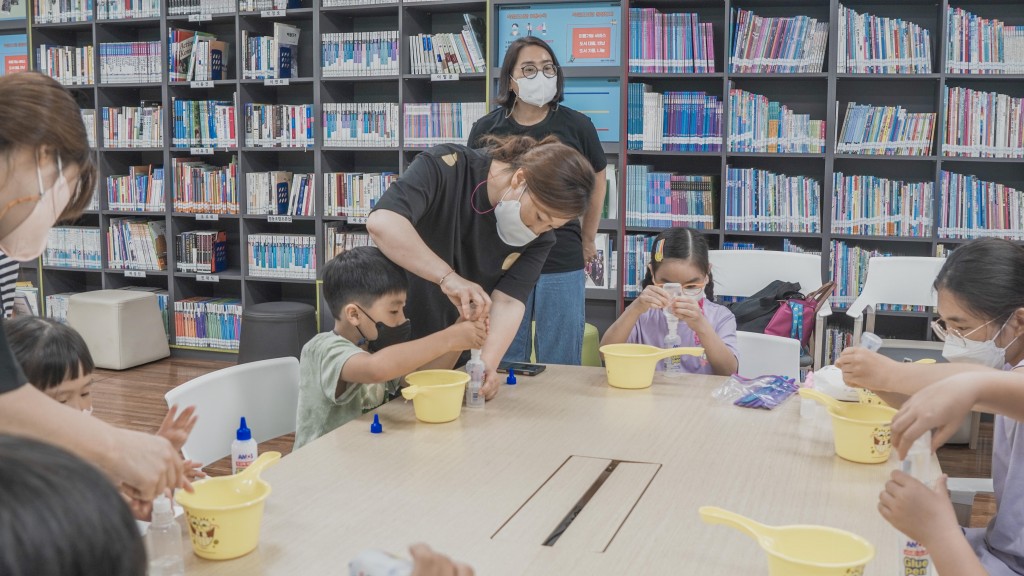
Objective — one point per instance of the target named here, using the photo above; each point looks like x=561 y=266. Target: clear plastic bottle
x=914 y=558
x=871 y=341
x=673 y=366
x=163 y=541
x=476 y=369
x=243 y=449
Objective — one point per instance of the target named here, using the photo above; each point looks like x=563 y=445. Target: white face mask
x=511 y=228
x=985 y=353
x=539 y=90
x=28 y=240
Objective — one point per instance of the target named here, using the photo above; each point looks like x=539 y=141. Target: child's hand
x=176 y=427
x=194 y=470
x=689 y=311
x=141 y=509
x=652 y=297
x=940 y=410
x=467 y=335
x=492 y=383
x=426 y=562
x=920 y=512
x=863 y=368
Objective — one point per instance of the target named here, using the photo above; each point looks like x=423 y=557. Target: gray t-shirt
x=320 y=409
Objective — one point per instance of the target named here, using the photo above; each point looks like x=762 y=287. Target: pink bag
x=795 y=316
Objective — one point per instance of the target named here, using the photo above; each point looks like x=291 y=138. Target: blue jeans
x=558 y=305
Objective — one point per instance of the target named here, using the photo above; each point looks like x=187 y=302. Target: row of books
x=130 y=62
x=436 y=123
x=361 y=124
x=637 y=256
x=133 y=126
x=185 y=7
x=611 y=197
x=664 y=199
x=338 y=239
x=208 y=322
x=886 y=130
x=204 y=123
x=69 y=65
x=756 y=124
x=983 y=124
x=73 y=247
x=674 y=42
x=871 y=44
x=834 y=341
x=259 y=5
x=122 y=9
x=680 y=121
x=873 y=206
x=602 y=271
x=279 y=125
x=201 y=251
x=282 y=256
x=976 y=45
x=768 y=45
x=849 y=270
x=141 y=190
x=196 y=55
x=202 y=188
x=89 y=120
x=445 y=53
x=57 y=306
x=787 y=246
x=974 y=208
x=354 y=194
x=763 y=201
x=360 y=53
x=280 y=192
x=275 y=56
x=62 y=11
x=134 y=244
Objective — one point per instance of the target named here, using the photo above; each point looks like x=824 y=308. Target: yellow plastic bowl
x=801 y=550
x=632 y=365
x=866 y=396
x=436 y=394
x=863 y=432
x=224 y=514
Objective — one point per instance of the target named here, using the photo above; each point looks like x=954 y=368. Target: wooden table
x=490 y=487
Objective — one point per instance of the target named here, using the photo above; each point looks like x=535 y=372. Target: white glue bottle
x=243 y=449
x=673 y=365
x=476 y=369
x=163 y=541
x=914 y=559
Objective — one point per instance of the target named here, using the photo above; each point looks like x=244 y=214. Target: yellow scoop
x=632 y=365
x=436 y=394
x=861 y=432
x=800 y=550
x=224 y=513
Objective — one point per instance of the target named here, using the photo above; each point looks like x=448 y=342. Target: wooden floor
x=134 y=399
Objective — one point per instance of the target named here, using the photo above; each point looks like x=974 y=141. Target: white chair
x=265 y=392
x=762 y=354
x=744 y=272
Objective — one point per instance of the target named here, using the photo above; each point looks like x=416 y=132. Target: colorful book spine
x=282 y=256
x=57 y=306
x=136 y=244
x=89 y=120
x=208 y=322
x=850 y=269
x=52 y=12
x=674 y=43
x=204 y=123
x=74 y=247
x=201 y=188
x=983 y=124
x=976 y=45
x=889 y=130
x=259 y=5
x=757 y=124
x=873 y=206
x=354 y=194
x=361 y=124
x=133 y=126
x=763 y=201
x=871 y=44
x=280 y=192
x=270 y=57
x=445 y=53
x=673 y=121
x=279 y=125
x=141 y=190
x=434 y=123
x=201 y=251
x=637 y=256
x=131 y=62
x=338 y=239
x=360 y=54
x=794 y=45
x=125 y=9
x=975 y=208
x=189 y=7
x=667 y=200
x=69 y=65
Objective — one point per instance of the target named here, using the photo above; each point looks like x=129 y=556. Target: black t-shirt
x=434 y=193
x=573 y=129
x=11 y=376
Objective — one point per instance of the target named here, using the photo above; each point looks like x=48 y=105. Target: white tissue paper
x=829 y=380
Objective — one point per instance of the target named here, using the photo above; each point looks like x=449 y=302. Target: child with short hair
x=358 y=365
x=680 y=255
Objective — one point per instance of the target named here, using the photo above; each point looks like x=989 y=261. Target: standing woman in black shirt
x=529 y=92
x=473 y=228
x=46 y=175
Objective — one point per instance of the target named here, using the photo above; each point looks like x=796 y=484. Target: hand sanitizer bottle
x=243 y=449
x=914 y=558
x=673 y=365
x=163 y=541
x=476 y=369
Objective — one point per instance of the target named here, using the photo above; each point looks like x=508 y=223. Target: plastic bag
x=765 y=392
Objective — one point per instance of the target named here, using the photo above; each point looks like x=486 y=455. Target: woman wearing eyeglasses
x=980 y=292
x=529 y=94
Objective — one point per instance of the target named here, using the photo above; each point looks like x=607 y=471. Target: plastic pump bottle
x=476 y=369
x=243 y=449
x=164 y=541
x=672 y=340
x=914 y=559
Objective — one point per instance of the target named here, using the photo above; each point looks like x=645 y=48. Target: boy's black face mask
x=386 y=335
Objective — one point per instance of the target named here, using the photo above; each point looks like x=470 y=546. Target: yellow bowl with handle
x=224 y=513
x=861 y=432
x=436 y=394
x=632 y=365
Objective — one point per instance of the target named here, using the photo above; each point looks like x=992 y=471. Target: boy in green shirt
x=358 y=365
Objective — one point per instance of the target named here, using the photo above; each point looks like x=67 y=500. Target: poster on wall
x=599 y=99
x=13 y=53
x=585 y=34
x=12 y=9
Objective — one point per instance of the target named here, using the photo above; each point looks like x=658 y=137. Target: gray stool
x=275 y=330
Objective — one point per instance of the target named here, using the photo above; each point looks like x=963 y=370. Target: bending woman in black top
x=473 y=227
x=46 y=175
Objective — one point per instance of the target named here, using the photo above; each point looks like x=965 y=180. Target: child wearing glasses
x=980 y=293
x=680 y=255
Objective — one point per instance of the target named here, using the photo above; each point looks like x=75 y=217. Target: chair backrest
x=744 y=272
x=762 y=354
x=265 y=392
x=905 y=280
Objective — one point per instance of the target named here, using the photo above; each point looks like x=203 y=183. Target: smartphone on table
x=521 y=368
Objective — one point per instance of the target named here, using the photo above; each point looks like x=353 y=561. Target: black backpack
x=755 y=312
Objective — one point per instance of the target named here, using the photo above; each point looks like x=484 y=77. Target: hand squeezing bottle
x=673 y=365
x=476 y=369
x=914 y=558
